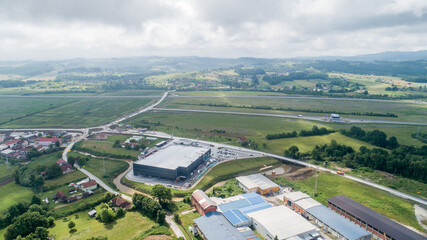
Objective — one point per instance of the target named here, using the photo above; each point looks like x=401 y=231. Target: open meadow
x=82 y=113
x=13 y=193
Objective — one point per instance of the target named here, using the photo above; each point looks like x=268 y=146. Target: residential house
x=89 y=186
x=67 y=168
x=48 y=141
x=120 y=202
x=60 y=197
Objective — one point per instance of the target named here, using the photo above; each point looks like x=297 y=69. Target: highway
x=311 y=118
x=75 y=97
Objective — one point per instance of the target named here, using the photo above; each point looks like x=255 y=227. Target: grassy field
x=20 y=107
x=127 y=227
x=135 y=93
x=330 y=185
x=13 y=193
x=404 y=111
x=3 y=169
x=106 y=147
x=96 y=167
x=226 y=93
x=88 y=112
x=64 y=179
x=200 y=125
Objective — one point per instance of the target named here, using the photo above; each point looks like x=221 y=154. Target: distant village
x=18 y=145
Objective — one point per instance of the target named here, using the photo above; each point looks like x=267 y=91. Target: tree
x=120 y=212
x=162 y=193
x=117 y=144
x=71 y=160
x=107 y=215
x=53 y=171
x=161 y=215
x=41 y=233
x=176 y=218
x=292 y=152
x=98 y=238
x=36 y=200
x=38 y=182
x=71 y=225
x=50 y=221
x=57 y=144
x=81 y=161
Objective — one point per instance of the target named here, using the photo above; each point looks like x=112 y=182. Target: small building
x=283 y=223
x=258 y=183
x=12 y=143
x=202 y=202
x=151 y=138
x=89 y=186
x=380 y=226
x=60 y=197
x=120 y=202
x=290 y=197
x=241 y=139
x=336 y=224
x=92 y=213
x=61 y=162
x=335 y=118
x=101 y=136
x=48 y=141
x=302 y=205
x=214 y=226
x=67 y=168
x=72 y=199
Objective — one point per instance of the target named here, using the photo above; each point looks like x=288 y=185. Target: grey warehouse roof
x=215 y=226
x=382 y=223
x=337 y=222
x=173 y=157
x=256 y=180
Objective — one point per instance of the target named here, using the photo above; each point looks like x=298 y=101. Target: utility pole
x=103 y=162
x=7 y=163
x=418 y=133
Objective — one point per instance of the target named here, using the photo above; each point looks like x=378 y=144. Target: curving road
x=311 y=118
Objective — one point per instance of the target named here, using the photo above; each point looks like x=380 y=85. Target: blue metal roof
x=234 y=205
x=337 y=222
x=235 y=217
x=215 y=226
x=255 y=208
x=254 y=198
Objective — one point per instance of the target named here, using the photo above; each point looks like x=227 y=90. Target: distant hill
x=390 y=56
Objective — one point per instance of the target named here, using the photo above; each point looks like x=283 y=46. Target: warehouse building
x=202 y=202
x=214 y=226
x=380 y=226
x=290 y=197
x=257 y=183
x=283 y=223
x=172 y=162
x=236 y=211
x=335 y=224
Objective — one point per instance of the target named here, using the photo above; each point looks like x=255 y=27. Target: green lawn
x=20 y=107
x=106 y=148
x=82 y=113
x=13 y=193
x=124 y=228
x=96 y=167
x=405 y=111
x=135 y=93
x=65 y=179
x=330 y=185
x=226 y=93
x=3 y=169
x=43 y=160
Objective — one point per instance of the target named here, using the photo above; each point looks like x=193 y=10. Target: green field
x=82 y=113
x=135 y=93
x=96 y=167
x=106 y=148
x=3 y=169
x=64 y=179
x=13 y=193
x=404 y=111
x=330 y=185
x=199 y=125
x=124 y=228
x=13 y=108
x=226 y=93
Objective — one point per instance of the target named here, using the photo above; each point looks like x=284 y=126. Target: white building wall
x=262 y=230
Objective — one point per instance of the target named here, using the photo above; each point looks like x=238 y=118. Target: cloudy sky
x=58 y=29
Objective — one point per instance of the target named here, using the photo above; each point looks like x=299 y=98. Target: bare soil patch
x=299 y=174
x=158 y=237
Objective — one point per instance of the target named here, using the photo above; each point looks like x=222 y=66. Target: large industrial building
x=172 y=162
x=257 y=183
x=380 y=226
x=283 y=223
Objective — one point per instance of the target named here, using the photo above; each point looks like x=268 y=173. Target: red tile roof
x=120 y=202
x=60 y=161
x=11 y=142
x=60 y=195
x=89 y=184
x=203 y=199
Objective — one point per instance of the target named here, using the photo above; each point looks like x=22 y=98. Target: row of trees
x=149 y=207
x=405 y=161
x=375 y=137
x=315 y=131
x=301 y=75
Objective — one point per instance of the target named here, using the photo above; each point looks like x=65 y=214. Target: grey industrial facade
x=172 y=162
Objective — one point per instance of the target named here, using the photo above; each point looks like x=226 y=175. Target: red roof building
x=11 y=143
x=202 y=202
x=48 y=141
x=120 y=202
x=91 y=185
x=61 y=162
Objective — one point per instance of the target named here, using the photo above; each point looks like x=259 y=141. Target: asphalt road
x=73 y=97
x=305 y=117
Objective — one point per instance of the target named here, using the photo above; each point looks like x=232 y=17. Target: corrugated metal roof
x=235 y=217
x=257 y=180
x=307 y=203
x=234 y=205
x=282 y=222
x=202 y=199
x=215 y=226
x=255 y=207
x=295 y=196
x=337 y=222
x=382 y=223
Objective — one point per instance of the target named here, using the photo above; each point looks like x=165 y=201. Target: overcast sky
x=58 y=29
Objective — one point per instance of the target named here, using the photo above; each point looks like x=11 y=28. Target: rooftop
x=173 y=157
x=349 y=230
x=295 y=196
x=283 y=222
x=89 y=184
x=203 y=199
x=382 y=223
x=215 y=226
x=307 y=203
x=256 y=180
